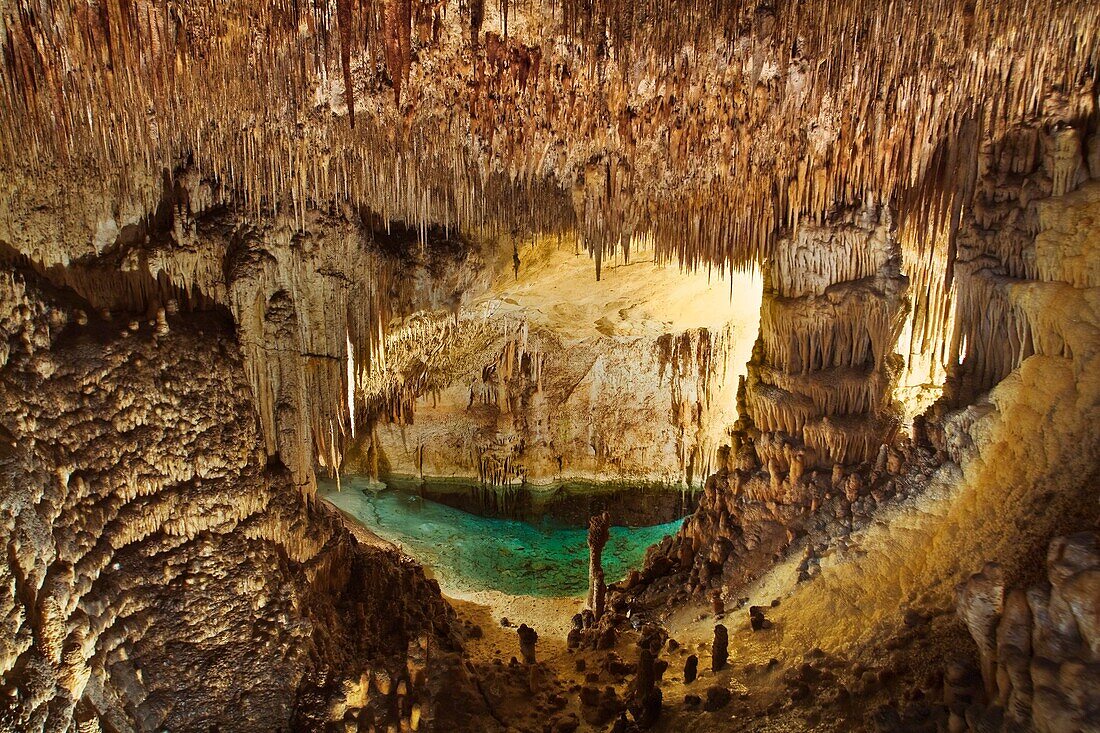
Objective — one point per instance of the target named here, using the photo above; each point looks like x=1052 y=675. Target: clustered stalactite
x=843 y=334
x=554 y=125
x=819 y=393
x=720 y=133
x=773 y=113
x=697 y=363
x=152 y=546
x=998 y=323
x=816 y=408
x=507 y=402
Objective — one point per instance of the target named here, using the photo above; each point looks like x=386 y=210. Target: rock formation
x=1038 y=647
x=149 y=534
x=599 y=531
x=246 y=244
x=528 y=637
x=719 y=651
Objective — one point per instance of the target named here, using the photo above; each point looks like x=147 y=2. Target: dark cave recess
x=568 y=503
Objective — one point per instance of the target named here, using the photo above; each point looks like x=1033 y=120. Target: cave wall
x=1027 y=330
x=1038 y=646
x=548 y=376
x=753 y=144
x=162 y=571
x=997 y=478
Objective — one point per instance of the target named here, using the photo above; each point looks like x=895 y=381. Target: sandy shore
x=549 y=616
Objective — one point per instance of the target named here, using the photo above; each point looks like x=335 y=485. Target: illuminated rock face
x=820 y=387
x=817 y=440
x=816 y=414
x=159 y=565
x=546 y=375
x=236 y=256
x=186 y=430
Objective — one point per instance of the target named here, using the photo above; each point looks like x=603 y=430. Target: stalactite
x=347 y=33
x=549 y=127
x=830 y=323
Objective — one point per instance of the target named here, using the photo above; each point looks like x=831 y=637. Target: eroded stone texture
x=817 y=445
x=816 y=420
x=162 y=572
x=1040 y=653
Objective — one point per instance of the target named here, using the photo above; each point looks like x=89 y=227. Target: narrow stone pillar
x=599 y=530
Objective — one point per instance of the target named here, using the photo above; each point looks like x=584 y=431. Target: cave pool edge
x=543 y=555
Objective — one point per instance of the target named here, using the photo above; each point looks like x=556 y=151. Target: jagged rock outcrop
x=820 y=389
x=1016 y=239
x=1039 y=647
x=816 y=407
x=162 y=572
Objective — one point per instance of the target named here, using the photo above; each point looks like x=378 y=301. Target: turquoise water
x=469 y=552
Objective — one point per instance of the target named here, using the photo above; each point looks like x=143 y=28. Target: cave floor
x=547 y=696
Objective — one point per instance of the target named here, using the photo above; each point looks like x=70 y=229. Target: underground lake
x=544 y=553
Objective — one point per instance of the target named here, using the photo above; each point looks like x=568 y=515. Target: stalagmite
x=719 y=652
x=528 y=637
x=599 y=527
x=1036 y=647
x=691 y=669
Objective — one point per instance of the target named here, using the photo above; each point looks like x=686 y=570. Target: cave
x=550 y=366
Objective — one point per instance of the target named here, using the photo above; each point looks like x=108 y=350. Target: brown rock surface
x=160 y=566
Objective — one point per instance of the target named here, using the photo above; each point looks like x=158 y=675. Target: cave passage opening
x=549 y=398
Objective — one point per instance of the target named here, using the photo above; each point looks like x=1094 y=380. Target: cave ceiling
x=703 y=126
